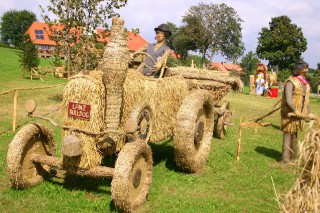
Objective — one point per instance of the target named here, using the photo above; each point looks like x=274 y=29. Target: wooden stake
x=239 y=140
x=14 y=110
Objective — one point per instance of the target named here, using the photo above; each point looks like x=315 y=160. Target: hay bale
x=209 y=75
x=304 y=196
x=164 y=96
x=217 y=90
x=89 y=90
x=59 y=72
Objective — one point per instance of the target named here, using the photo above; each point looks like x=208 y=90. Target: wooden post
x=239 y=141
x=14 y=117
x=252 y=86
x=31 y=74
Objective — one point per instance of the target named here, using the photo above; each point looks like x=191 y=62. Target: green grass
x=224 y=185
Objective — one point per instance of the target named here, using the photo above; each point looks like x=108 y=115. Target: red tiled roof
x=46 y=32
x=135 y=41
x=233 y=67
x=222 y=66
x=219 y=66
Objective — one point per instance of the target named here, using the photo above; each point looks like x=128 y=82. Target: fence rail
x=15 y=98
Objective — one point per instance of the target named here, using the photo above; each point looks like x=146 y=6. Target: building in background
x=225 y=67
x=40 y=32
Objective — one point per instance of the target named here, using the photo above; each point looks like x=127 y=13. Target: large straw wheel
x=222 y=121
x=133 y=176
x=141 y=118
x=193 y=132
x=31 y=139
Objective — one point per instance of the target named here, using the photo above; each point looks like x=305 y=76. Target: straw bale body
x=164 y=96
x=89 y=90
x=217 y=83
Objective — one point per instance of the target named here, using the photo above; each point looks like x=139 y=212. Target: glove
x=156 y=67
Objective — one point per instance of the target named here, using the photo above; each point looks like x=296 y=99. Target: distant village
x=39 y=33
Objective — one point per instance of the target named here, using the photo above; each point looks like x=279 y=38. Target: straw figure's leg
x=31 y=139
x=193 y=132
x=133 y=176
x=286 y=147
x=293 y=146
x=222 y=120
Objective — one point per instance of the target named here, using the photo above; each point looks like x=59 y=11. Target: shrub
x=29 y=55
x=284 y=75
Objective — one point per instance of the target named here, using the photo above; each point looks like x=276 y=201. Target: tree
x=317 y=71
x=28 y=57
x=79 y=20
x=180 y=41
x=282 y=43
x=214 y=28
x=14 y=24
x=249 y=63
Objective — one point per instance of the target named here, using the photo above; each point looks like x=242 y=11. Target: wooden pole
x=239 y=141
x=266 y=115
x=14 y=117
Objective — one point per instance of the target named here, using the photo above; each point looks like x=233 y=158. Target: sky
x=148 y=14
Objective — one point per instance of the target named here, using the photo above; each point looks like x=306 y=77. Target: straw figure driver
x=156 y=53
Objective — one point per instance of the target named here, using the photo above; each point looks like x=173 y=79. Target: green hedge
x=314 y=82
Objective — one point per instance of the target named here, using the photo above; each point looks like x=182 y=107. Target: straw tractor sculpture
x=115 y=109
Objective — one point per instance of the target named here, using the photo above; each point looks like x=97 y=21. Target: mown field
x=224 y=185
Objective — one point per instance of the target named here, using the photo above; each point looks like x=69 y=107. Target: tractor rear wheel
x=31 y=139
x=133 y=176
x=193 y=132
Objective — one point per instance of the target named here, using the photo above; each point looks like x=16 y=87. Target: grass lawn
x=224 y=185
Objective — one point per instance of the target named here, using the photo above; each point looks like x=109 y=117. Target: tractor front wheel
x=133 y=176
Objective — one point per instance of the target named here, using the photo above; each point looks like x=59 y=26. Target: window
x=39 y=34
x=44 y=47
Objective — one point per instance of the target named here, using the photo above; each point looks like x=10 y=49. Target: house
x=225 y=67
x=39 y=33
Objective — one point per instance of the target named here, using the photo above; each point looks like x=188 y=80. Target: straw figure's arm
x=162 y=61
x=310 y=116
x=141 y=50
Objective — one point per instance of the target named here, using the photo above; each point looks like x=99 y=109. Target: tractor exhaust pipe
x=115 y=67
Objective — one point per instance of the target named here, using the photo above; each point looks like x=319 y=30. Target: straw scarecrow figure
x=295 y=99
x=156 y=54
